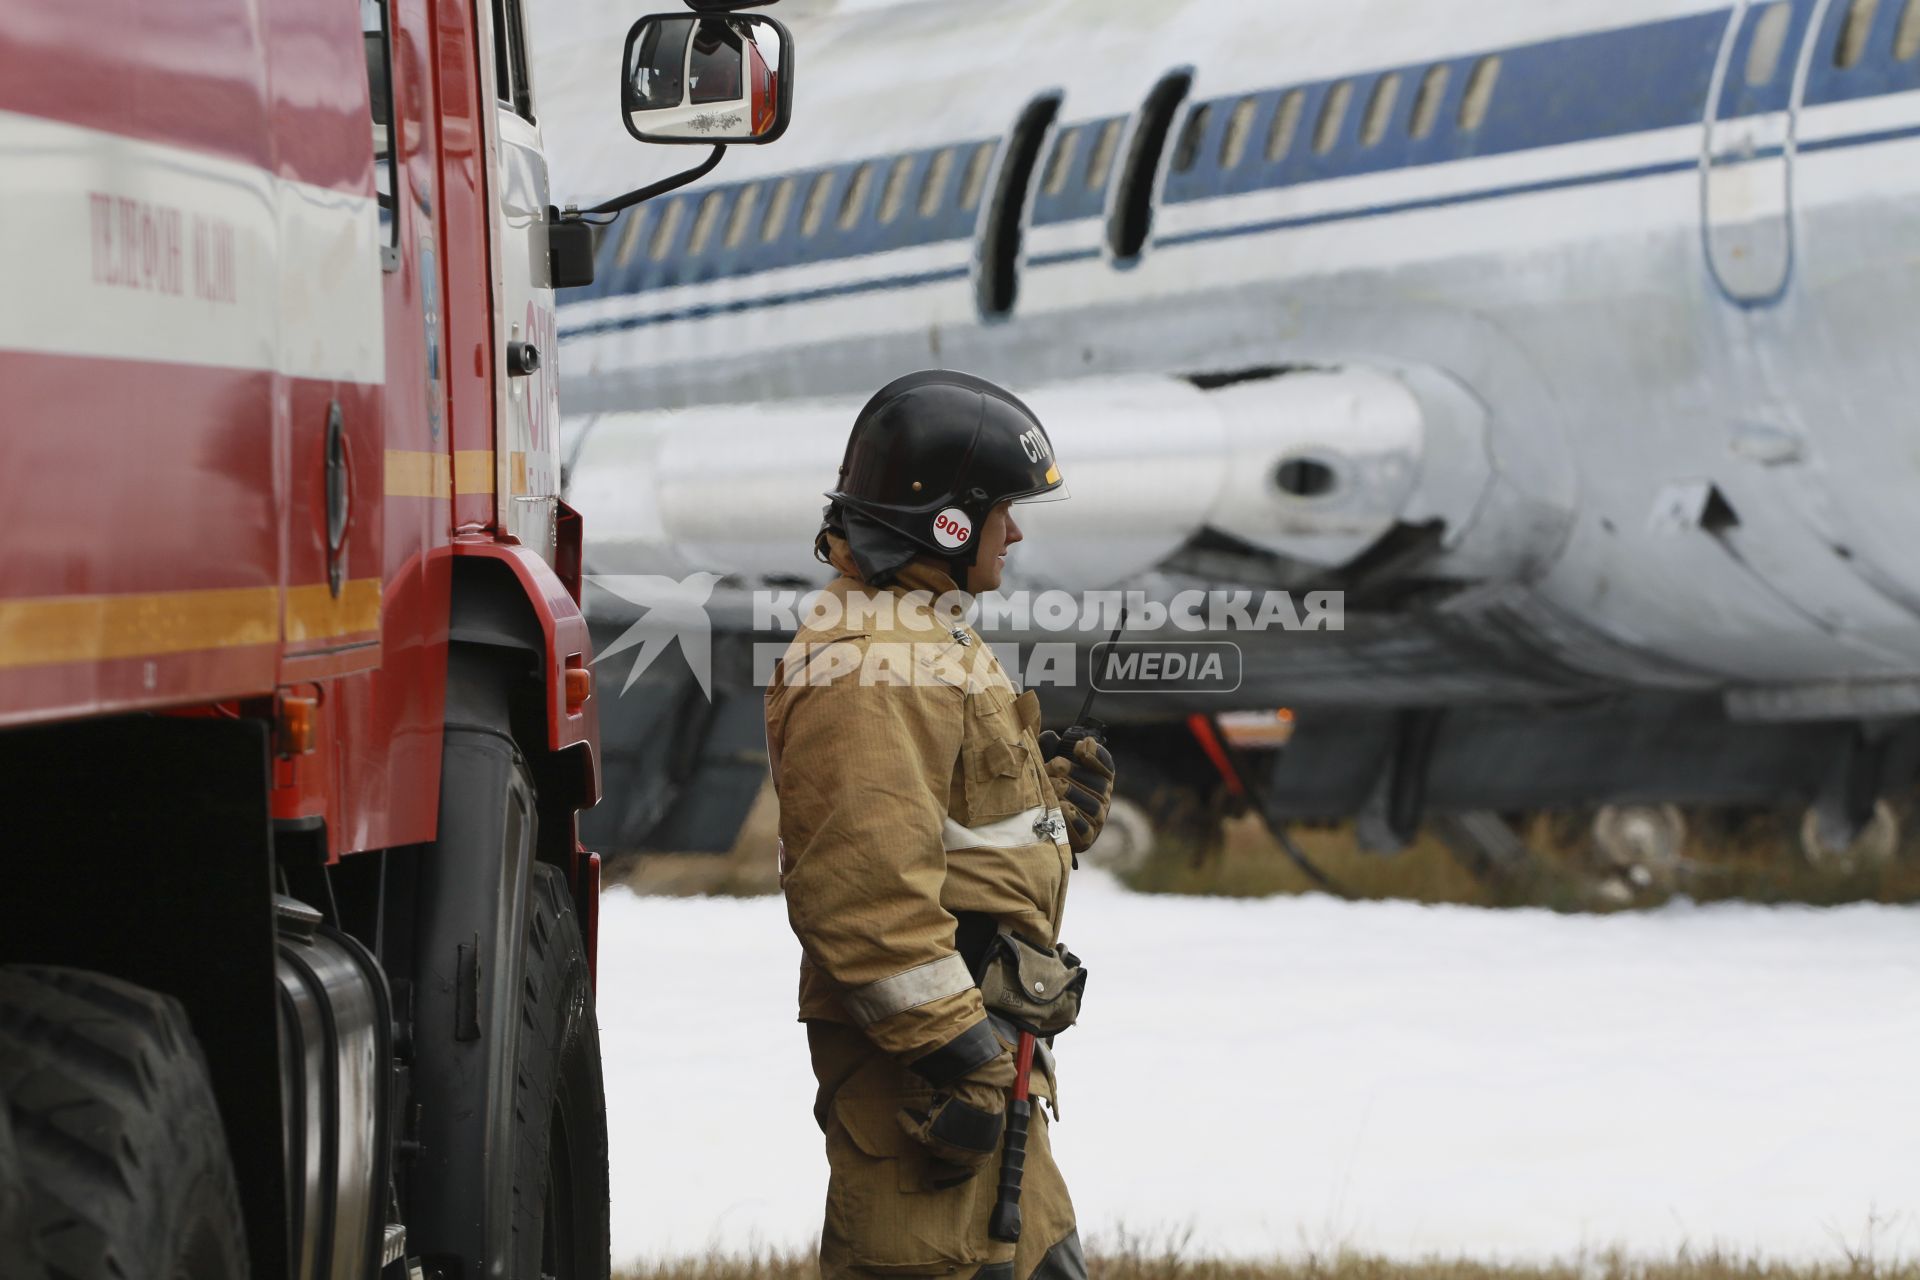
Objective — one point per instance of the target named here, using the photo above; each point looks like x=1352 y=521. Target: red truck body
x=165 y=496
x=296 y=706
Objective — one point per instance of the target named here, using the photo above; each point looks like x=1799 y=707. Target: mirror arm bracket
x=659 y=188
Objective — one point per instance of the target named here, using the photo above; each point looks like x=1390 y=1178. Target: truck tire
x=16 y=1227
x=560 y=1188
x=118 y=1142
x=510 y=1177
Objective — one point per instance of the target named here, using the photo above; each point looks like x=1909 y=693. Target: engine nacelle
x=1315 y=466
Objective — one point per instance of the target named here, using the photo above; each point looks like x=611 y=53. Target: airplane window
x=1333 y=113
x=629 y=236
x=1426 y=104
x=1286 y=123
x=894 y=194
x=1233 y=145
x=1060 y=163
x=777 y=206
x=1906 y=41
x=934 y=185
x=1769 y=39
x=743 y=206
x=975 y=180
x=1853 y=36
x=815 y=209
x=1100 y=161
x=856 y=198
x=703 y=222
x=1386 y=92
x=1187 y=150
x=1479 y=94
x=663 y=231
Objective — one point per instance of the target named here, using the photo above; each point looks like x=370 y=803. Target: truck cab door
x=1747 y=167
x=526 y=454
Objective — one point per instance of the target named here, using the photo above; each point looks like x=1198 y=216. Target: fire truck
x=297 y=708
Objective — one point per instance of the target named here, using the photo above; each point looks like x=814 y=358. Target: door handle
x=339 y=499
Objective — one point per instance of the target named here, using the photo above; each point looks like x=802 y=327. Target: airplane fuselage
x=1577 y=341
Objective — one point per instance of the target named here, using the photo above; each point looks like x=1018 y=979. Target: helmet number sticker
x=952 y=528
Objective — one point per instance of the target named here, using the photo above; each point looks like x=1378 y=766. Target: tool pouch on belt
x=1035 y=989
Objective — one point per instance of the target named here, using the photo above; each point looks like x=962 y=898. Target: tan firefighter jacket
x=911 y=787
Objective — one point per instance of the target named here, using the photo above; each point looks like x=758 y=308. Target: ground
x=1300 y=1075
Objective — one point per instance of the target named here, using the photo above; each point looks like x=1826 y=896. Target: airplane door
x=1747 y=167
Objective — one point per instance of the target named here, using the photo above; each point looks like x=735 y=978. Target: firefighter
x=926 y=834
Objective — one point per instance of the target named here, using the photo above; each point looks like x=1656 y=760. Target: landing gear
x=1168 y=798
x=1641 y=848
x=1486 y=846
x=1873 y=844
x=1125 y=841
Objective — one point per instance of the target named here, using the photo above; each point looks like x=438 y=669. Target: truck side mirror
x=707 y=79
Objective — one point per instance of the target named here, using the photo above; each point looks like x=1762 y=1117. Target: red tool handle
x=1023 y=1067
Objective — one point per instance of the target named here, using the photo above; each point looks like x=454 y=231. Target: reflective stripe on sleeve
x=1029 y=826
x=920 y=985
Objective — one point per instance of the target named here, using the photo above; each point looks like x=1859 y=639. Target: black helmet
x=930 y=455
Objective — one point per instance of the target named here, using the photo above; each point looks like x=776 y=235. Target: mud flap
x=470 y=949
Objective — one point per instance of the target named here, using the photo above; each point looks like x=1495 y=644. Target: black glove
x=1083 y=781
x=961 y=1127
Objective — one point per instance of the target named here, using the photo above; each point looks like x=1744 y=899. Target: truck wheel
x=119 y=1145
x=560 y=1185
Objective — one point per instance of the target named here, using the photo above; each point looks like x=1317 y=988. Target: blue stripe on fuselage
x=1579 y=89
x=1554 y=93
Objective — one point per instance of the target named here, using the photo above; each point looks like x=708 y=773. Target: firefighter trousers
x=883 y=1219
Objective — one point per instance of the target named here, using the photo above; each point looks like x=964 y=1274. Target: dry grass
x=1251 y=865
x=1753 y=857
x=1132 y=1260
x=745 y=871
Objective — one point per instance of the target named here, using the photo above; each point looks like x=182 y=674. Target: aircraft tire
x=1643 y=844
x=1874 y=845
x=1125 y=841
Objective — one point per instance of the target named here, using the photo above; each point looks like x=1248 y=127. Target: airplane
x=1573 y=342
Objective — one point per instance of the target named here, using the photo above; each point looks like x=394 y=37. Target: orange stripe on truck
x=314 y=613
x=419 y=474
x=45 y=630
x=473 y=470
x=38 y=631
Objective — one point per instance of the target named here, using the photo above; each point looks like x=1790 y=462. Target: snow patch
x=1307 y=1073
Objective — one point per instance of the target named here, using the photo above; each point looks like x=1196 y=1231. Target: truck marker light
x=579 y=687
x=296 y=724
